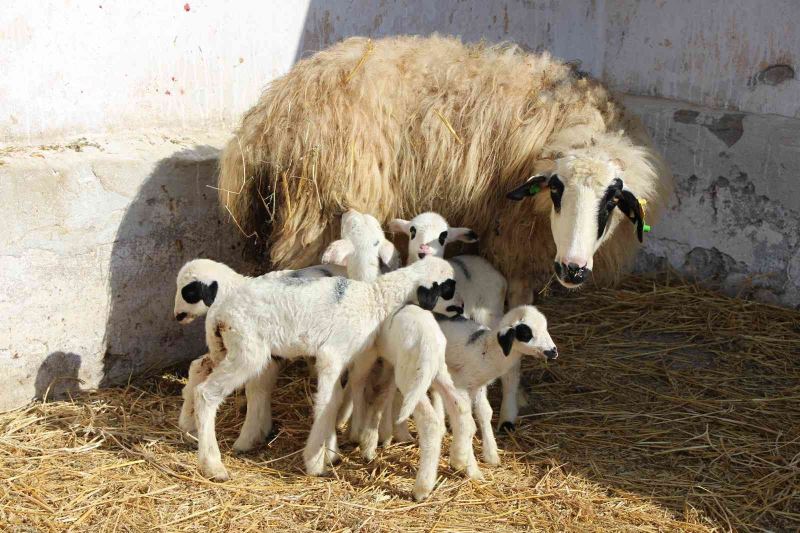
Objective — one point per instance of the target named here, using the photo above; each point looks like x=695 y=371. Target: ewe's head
x=524 y=329
x=436 y=290
x=585 y=188
x=428 y=234
x=363 y=248
x=198 y=283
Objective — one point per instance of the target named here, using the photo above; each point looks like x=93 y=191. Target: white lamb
x=200 y=283
x=477 y=355
x=333 y=319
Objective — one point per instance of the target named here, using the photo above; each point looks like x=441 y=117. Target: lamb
x=334 y=320
x=200 y=283
x=412 y=343
x=440 y=125
x=477 y=355
x=481 y=287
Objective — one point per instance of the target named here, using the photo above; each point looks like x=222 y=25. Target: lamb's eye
x=442 y=237
x=412 y=232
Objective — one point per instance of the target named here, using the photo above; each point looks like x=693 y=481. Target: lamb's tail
x=414 y=375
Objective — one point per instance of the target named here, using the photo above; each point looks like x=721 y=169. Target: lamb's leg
x=457 y=405
x=430 y=427
x=386 y=426
x=400 y=431
x=520 y=292
x=258 y=420
x=198 y=371
x=483 y=411
x=232 y=372
x=374 y=411
x=359 y=372
x=326 y=407
x=346 y=409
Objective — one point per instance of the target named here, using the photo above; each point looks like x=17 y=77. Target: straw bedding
x=671 y=408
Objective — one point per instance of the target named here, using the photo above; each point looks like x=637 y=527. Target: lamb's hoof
x=421 y=492
x=508 y=427
x=369 y=453
x=458 y=463
x=187 y=425
x=215 y=472
x=385 y=443
x=315 y=466
x=473 y=472
x=245 y=445
x=491 y=459
x=333 y=457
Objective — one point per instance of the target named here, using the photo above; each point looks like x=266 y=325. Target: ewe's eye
x=412 y=232
x=442 y=237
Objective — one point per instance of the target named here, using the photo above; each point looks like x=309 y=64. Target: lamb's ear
x=628 y=203
x=461 y=234
x=337 y=252
x=398 y=225
x=506 y=339
x=531 y=187
x=427 y=297
x=209 y=293
x=389 y=256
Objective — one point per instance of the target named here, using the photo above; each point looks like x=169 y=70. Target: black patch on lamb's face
x=523 y=332
x=447 y=290
x=607 y=204
x=556 y=191
x=506 y=340
x=197 y=290
x=460 y=264
x=477 y=334
x=442 y=237
x=340 y=288
x=412 y=231
x=427 y=296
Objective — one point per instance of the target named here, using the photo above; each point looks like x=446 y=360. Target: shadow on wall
x=173 y=218
x=58 y=376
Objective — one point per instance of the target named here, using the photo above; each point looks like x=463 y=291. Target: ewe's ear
x=531 y=187
x=461 y=234
x=337 y=252
x=398 y=225
x=628 y=203
x=427 y=297
x=506 y=339
x=209 y=293
x=389 y=256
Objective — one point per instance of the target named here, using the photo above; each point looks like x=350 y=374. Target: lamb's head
x=363 y=248
x=428 y=234
x=198 y=283
x=436 y=286
x=585 y=187
x=524 y=329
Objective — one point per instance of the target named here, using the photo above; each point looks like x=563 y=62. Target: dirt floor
x=670 y=408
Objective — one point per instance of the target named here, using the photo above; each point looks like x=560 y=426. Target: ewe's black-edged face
x=193 y=298
x=584 y=195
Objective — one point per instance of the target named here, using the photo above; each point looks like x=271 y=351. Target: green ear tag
x=535 y=189
x=646 y=228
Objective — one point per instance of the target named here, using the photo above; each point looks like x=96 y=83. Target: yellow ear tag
x=645 y=227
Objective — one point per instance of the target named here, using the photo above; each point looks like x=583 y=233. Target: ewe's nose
x=572 y=272
x=551 y=354
x=180 y=316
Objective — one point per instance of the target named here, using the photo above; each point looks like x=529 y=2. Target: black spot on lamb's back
x=477 y=334
x=444 y=318
x=295 y=281
x=460 y=264
x=340 y=288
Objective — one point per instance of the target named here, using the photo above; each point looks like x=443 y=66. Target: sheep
x=411 y=341
x=334 y=320
x=477 y=355
x=200 y=283
x=440 y=125
x=481 y=287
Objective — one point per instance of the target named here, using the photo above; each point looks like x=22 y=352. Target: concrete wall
x=112 y=114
